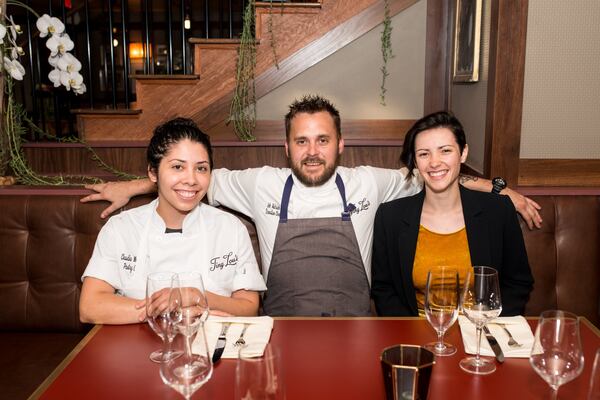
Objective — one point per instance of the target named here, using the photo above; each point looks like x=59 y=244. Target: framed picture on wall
x=467 y=35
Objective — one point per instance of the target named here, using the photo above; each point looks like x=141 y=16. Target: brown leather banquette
x=47 y=236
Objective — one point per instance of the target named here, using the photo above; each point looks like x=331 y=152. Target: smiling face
x=313 y=147
x=182 y=178
x=438 y=159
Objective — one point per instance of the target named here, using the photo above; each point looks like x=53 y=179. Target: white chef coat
x=256 y=192
x=134 y=244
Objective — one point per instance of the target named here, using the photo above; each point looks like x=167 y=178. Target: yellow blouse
x=439 y=249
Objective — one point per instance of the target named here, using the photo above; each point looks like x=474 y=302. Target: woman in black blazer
x=436 y=146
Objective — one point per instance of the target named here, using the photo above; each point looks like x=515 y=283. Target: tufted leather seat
x=564 y=256
x=47 y=237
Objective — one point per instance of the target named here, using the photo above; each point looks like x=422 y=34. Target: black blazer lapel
x=408 y=226
x=477 y=229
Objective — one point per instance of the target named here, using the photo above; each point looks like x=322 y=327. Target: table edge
x=63 y=364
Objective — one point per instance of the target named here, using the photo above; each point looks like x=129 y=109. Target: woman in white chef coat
x=175 y=232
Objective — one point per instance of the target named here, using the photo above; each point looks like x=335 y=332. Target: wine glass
x=441 y=306
x=480 y=302
x=594 y=391
x=557 y=355
x=193 y=368
x=259 y=377
x=158 y=288
x=194 y=304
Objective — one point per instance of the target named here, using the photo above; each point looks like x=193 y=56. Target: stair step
x=286 y=5
x=106 y=111
x=166 y=79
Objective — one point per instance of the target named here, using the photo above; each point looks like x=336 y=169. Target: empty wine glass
x=194 y=304
x=188 y=372
x=441 y=306
x=557 y=355
x=259 y=377
x=480 y=302
x=158 y=288
x=594 y=391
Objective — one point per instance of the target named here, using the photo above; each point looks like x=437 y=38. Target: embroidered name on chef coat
x=224 y=261
x=272 y=209
x=128 y=263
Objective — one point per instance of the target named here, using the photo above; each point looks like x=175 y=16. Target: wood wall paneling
x=438 y=56
x=555 y=172
x=505 y=88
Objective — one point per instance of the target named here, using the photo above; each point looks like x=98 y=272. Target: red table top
x=322 y=359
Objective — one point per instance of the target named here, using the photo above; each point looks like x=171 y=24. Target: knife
x=493 y=344
x=221 y=341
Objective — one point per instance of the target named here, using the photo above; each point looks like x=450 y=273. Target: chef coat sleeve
x=234 y=189
x=104 y=263
x=247 y=274
x=392 y=183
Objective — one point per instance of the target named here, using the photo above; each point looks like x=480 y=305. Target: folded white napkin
x=518 y=327
x=257 y=335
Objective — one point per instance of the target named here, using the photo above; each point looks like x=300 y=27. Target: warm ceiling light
x=115 y=42
x=187 y=24
x=136 y=51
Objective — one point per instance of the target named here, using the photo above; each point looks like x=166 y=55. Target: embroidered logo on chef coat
x=223 y=261
x=361 y=205
x=272 y=209
x=128 y=263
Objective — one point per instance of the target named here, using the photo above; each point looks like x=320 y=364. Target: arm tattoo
x=462 y=179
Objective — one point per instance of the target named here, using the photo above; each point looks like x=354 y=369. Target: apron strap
x=285 y=200
x=342 y=189
x=287 y=190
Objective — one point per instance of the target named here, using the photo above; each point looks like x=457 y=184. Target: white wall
x=351 y=77
x=561 y=101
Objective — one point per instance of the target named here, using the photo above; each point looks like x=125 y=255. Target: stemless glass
x=480 y=302
x=441 y=306
x=187 y=373
x=158 y=288
x=557 y=355
x=259 y=377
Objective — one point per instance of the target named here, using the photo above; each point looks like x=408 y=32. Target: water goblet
x=187 y=373
x=557 y=355
x=259 y=377
x=594 y=390
x=441 y=306
x=480 y=303
x=158 y=288
x=193 y=300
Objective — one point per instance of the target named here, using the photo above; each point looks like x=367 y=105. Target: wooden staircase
x=304 y=33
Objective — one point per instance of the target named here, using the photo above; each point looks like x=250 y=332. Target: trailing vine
x=15 y=120
x=386 y=49
x=272 y=35
x=243 y=105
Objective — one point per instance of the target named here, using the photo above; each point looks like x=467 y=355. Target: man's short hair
x=312 y=104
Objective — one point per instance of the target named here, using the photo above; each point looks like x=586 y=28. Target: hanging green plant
x=386 y=49
x=272 y=35
x=242 y=112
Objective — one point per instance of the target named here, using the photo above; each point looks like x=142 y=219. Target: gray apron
x=316 y=268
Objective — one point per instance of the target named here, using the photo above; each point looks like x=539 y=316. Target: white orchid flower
x=49 y=25
x=14 y=68
x=59 y=44
x=54 y=77
x=14 y=28
x=2 y=33
x=80 y=90
x=16 y=51
x=69 y=63
x=71 y=79
x=53 y=61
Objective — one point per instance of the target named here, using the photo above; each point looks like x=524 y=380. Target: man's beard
x=313 y=180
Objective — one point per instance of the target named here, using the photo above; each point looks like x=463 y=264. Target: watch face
x=499 y=182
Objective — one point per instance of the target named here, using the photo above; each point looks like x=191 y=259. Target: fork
x=241 y=341
x=511 y=340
